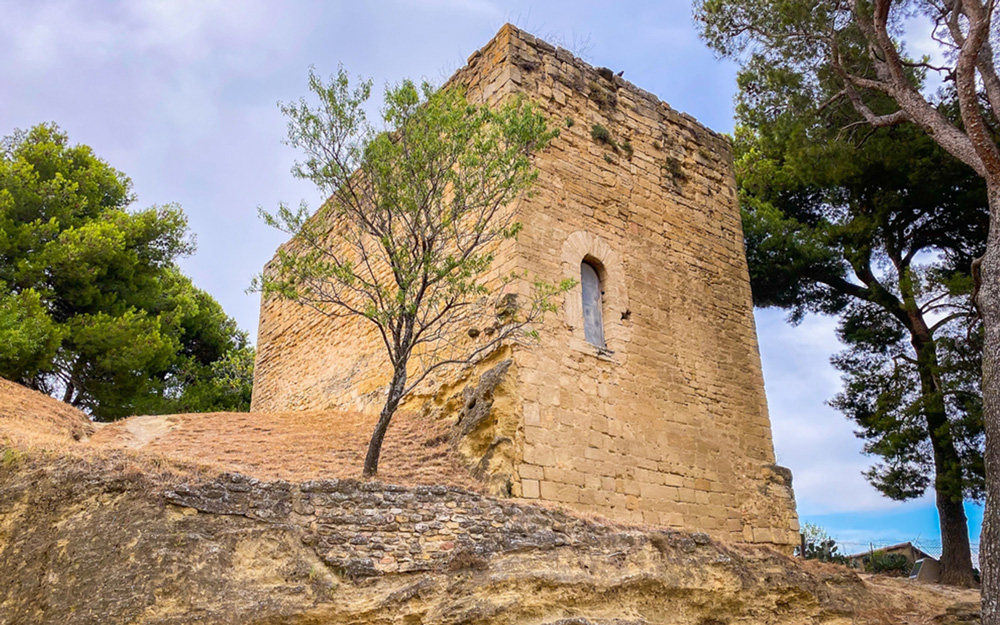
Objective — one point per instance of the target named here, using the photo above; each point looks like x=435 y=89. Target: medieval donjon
x=667 y=422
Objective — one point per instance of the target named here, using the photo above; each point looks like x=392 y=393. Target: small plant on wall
x=673 y=171
x=600 y=134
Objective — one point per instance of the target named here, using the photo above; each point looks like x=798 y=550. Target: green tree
x=880 y=231
x=417 y=209
x=849 y=56
x=92 y=306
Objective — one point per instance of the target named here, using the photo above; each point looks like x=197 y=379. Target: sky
x=182 y=95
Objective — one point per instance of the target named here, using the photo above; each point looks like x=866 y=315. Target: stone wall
x=669 y=424
x=364 y=529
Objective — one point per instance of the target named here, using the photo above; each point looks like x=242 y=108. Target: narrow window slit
x=593 y=319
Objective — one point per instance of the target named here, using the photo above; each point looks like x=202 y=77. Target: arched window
x=592 y=307
x=593 y=320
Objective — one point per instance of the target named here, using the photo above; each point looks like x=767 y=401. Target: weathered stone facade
x=668 y=424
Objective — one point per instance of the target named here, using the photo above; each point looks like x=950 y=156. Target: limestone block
x=529 y=489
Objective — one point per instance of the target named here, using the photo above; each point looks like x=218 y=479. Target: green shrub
x=888 y=564
x=600 y=134
x=11 y=457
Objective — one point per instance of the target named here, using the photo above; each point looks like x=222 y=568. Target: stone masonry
x=363 y=529
x=667 y=424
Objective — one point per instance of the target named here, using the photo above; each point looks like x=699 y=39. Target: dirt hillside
x=253 y=519
x=288 y=445
x=32 y=419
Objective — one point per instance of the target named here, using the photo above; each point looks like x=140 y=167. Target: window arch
x=581 y=250
x=593 y=305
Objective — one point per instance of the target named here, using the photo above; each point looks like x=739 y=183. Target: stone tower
x=644 y=401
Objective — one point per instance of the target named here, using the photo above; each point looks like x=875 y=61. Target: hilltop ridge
x=146 y=521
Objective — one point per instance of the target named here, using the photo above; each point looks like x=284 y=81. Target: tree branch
x=890 y=69
x=949 y=318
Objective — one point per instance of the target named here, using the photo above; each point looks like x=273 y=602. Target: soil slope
x=284 y=445
x=109 y=528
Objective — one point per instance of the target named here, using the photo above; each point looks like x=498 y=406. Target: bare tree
x=418 y=209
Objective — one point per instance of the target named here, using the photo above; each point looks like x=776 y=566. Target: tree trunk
x=68 y=395
x=988 y=301
x=956 y=553
x=391 y=403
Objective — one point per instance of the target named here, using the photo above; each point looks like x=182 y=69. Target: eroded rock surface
x=104 y=540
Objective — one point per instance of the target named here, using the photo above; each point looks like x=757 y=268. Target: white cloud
x=481 y=7
x=43 y=35
x=815 y=441
x=39 y=36
x=191 y=30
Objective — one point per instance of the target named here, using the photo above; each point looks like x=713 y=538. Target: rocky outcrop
x=120 y=539
x=483 y=434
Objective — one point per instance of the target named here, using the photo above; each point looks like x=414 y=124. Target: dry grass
x=30 y=419
x=287 y=445
x=904 y=602
x=293 y=445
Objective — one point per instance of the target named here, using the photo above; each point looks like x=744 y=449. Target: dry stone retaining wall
x=90 y=539
x=365 y=529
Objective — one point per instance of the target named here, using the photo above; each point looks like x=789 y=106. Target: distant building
x=908 y=550
x=922 y=566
